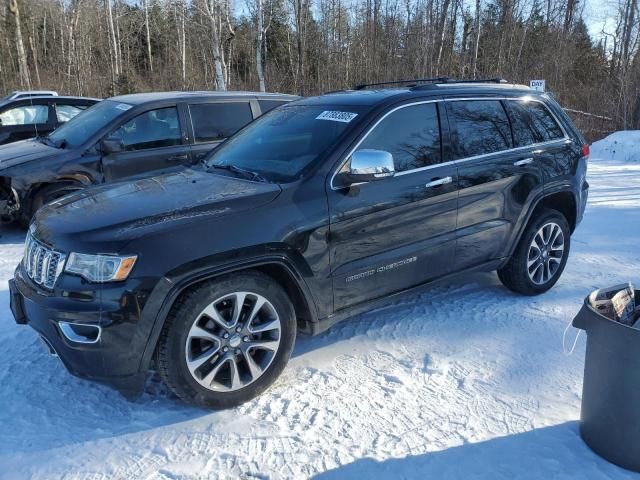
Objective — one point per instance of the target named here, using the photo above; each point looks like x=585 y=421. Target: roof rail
x=475 y=80
x=412 y=83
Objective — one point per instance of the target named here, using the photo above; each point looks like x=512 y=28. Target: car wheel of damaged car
x=47 y=195
x=227 y=341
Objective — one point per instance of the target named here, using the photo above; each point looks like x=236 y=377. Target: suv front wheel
x=227 y=341
x=541 y=255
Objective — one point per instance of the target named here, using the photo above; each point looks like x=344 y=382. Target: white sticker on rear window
x=344 y=117
x=123 y=106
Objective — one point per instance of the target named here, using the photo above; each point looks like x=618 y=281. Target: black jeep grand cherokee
x=310 y=214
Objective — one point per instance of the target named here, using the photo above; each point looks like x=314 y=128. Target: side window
x=152 y=129
x=544 y=123
x=64 y=113
x=411 y=134
x=25 y=115
x=481 y=127
x=216 y=121
x=268 y=105
x=524 y=131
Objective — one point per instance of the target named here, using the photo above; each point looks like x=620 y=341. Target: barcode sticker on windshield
x=123 y=106
x=344 y=117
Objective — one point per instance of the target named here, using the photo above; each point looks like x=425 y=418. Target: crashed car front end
x=9 y=200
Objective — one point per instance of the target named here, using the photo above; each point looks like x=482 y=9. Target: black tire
x=46 y=195
x=171 y=353
x=515 y=274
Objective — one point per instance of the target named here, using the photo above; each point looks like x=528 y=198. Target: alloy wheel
x=545 y=253
x=233 y=341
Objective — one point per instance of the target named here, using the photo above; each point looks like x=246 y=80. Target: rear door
x=498 y=179
x=534 y=123
x=25 y=119
x=213 y=122
x=152 y=143
x=392 y=234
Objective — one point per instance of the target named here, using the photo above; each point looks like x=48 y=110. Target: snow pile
x=619 y=146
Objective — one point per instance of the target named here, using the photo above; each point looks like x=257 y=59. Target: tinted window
x=282 y=144
x=544 y=123
x=482 y=127
x=524 y=131
x=267 y=105
x=217 y=121
x=152 y=129
x=64 y=113
x=82 y=127
x=25 y=115
x=410 y=134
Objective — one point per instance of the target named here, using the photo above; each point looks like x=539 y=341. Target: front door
x=152 y=142
x=498 y=179
x=392 y=234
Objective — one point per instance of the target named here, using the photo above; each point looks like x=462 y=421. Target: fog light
x=80 y=333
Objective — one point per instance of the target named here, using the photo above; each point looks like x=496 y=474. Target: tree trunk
x=259 y=43
x=477 y=42
x=23 y=67
x=148 y=31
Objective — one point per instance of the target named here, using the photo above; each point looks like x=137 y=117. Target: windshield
x=86 y=124
x=280 y=145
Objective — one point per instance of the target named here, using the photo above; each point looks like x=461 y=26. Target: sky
x=599 y=15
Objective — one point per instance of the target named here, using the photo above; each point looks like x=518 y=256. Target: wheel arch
x=76 y=181
x=280 y=268
x=562 y=200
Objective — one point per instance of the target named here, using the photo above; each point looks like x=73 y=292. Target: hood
x=24 y=151
x=129 y=209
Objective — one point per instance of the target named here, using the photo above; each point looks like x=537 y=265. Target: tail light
x=585 y=151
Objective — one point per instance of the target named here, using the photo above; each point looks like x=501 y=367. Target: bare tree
x=25 y=80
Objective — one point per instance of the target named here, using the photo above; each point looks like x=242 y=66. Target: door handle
x=178 y=158
x=438 y=181
x=524 y=161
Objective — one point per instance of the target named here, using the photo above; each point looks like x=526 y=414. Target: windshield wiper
x=249 y=174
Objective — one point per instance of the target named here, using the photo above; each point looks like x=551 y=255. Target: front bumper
x=115 y=358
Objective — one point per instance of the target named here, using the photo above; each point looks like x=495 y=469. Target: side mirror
x=111 y=145
x=368 y=166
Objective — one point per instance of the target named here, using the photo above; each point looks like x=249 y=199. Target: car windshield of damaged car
x=86 y=124
x=283 y=144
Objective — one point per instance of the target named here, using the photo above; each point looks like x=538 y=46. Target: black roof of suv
x=121 y=137
x=319 y=210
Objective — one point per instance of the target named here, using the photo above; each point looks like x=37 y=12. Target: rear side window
x=545 y=124
x=267 y=105
x=481 y=127
x=64 y=113
x=411 y=134
x=214 y=122
x=524 y=130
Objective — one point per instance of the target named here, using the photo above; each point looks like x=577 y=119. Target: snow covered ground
x=464 y=381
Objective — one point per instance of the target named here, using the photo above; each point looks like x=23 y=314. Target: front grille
x=42 y=264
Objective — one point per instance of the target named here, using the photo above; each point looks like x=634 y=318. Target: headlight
x=100 y=268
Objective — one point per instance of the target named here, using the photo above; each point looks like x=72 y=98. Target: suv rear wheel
x=227 y=341
x=541 y=255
